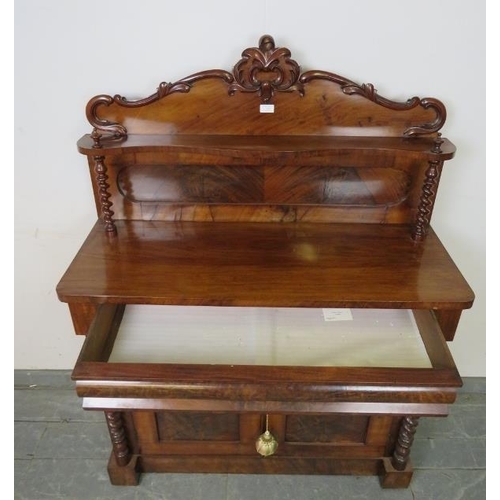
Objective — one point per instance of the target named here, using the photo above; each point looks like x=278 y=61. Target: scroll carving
x=264 y=70
x=113 y=130
x=165 y=89
x=118 y=437
x=368 y=91
x=405 y=440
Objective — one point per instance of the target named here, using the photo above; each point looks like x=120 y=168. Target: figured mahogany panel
x=326 y=429
x=197 y=426
x=289 y=185
x=147 y=186
x=191 y=184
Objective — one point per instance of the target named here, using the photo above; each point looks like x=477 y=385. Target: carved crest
x=264 y=70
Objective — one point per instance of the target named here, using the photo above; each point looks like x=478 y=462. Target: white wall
x=66 y=52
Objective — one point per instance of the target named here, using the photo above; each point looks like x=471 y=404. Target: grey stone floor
x=61 y=453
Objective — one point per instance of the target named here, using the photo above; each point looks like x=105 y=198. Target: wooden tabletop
x=264 y=264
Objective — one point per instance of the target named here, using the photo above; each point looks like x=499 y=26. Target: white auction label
x=337 y=314
x=267 y=108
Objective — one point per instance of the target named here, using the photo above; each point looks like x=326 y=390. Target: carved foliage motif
x=264 y=70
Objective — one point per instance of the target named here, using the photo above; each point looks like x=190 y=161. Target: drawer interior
x=269 y=336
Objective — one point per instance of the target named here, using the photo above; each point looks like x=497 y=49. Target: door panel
x=199 y=426
x=326 y=429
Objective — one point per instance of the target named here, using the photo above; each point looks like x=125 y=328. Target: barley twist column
x=405 y=440
x=116 y=429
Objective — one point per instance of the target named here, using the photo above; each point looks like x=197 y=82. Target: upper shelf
x=269 y=146
x=264 y=264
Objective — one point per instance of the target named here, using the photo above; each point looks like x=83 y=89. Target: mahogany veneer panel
x=326 y=429
x=271 y=185
x=178 y=426
x=245 y=264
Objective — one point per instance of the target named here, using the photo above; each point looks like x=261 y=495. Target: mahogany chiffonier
x=262 y=291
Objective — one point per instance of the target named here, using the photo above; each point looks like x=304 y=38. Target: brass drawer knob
x=266 y=443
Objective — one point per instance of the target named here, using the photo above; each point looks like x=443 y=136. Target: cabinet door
x=307 y=436
x=337 y=436
x=197 y=432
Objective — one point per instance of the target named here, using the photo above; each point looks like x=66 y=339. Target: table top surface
x=264 y=264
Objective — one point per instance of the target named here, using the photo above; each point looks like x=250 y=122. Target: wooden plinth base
x=392 y=478
x=123 y=475
x=129 y=474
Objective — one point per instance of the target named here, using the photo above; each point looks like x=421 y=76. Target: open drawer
x=266 y=359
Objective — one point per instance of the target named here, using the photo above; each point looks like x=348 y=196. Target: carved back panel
x=309 y=103
x=323 y=109
x=266 y=142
